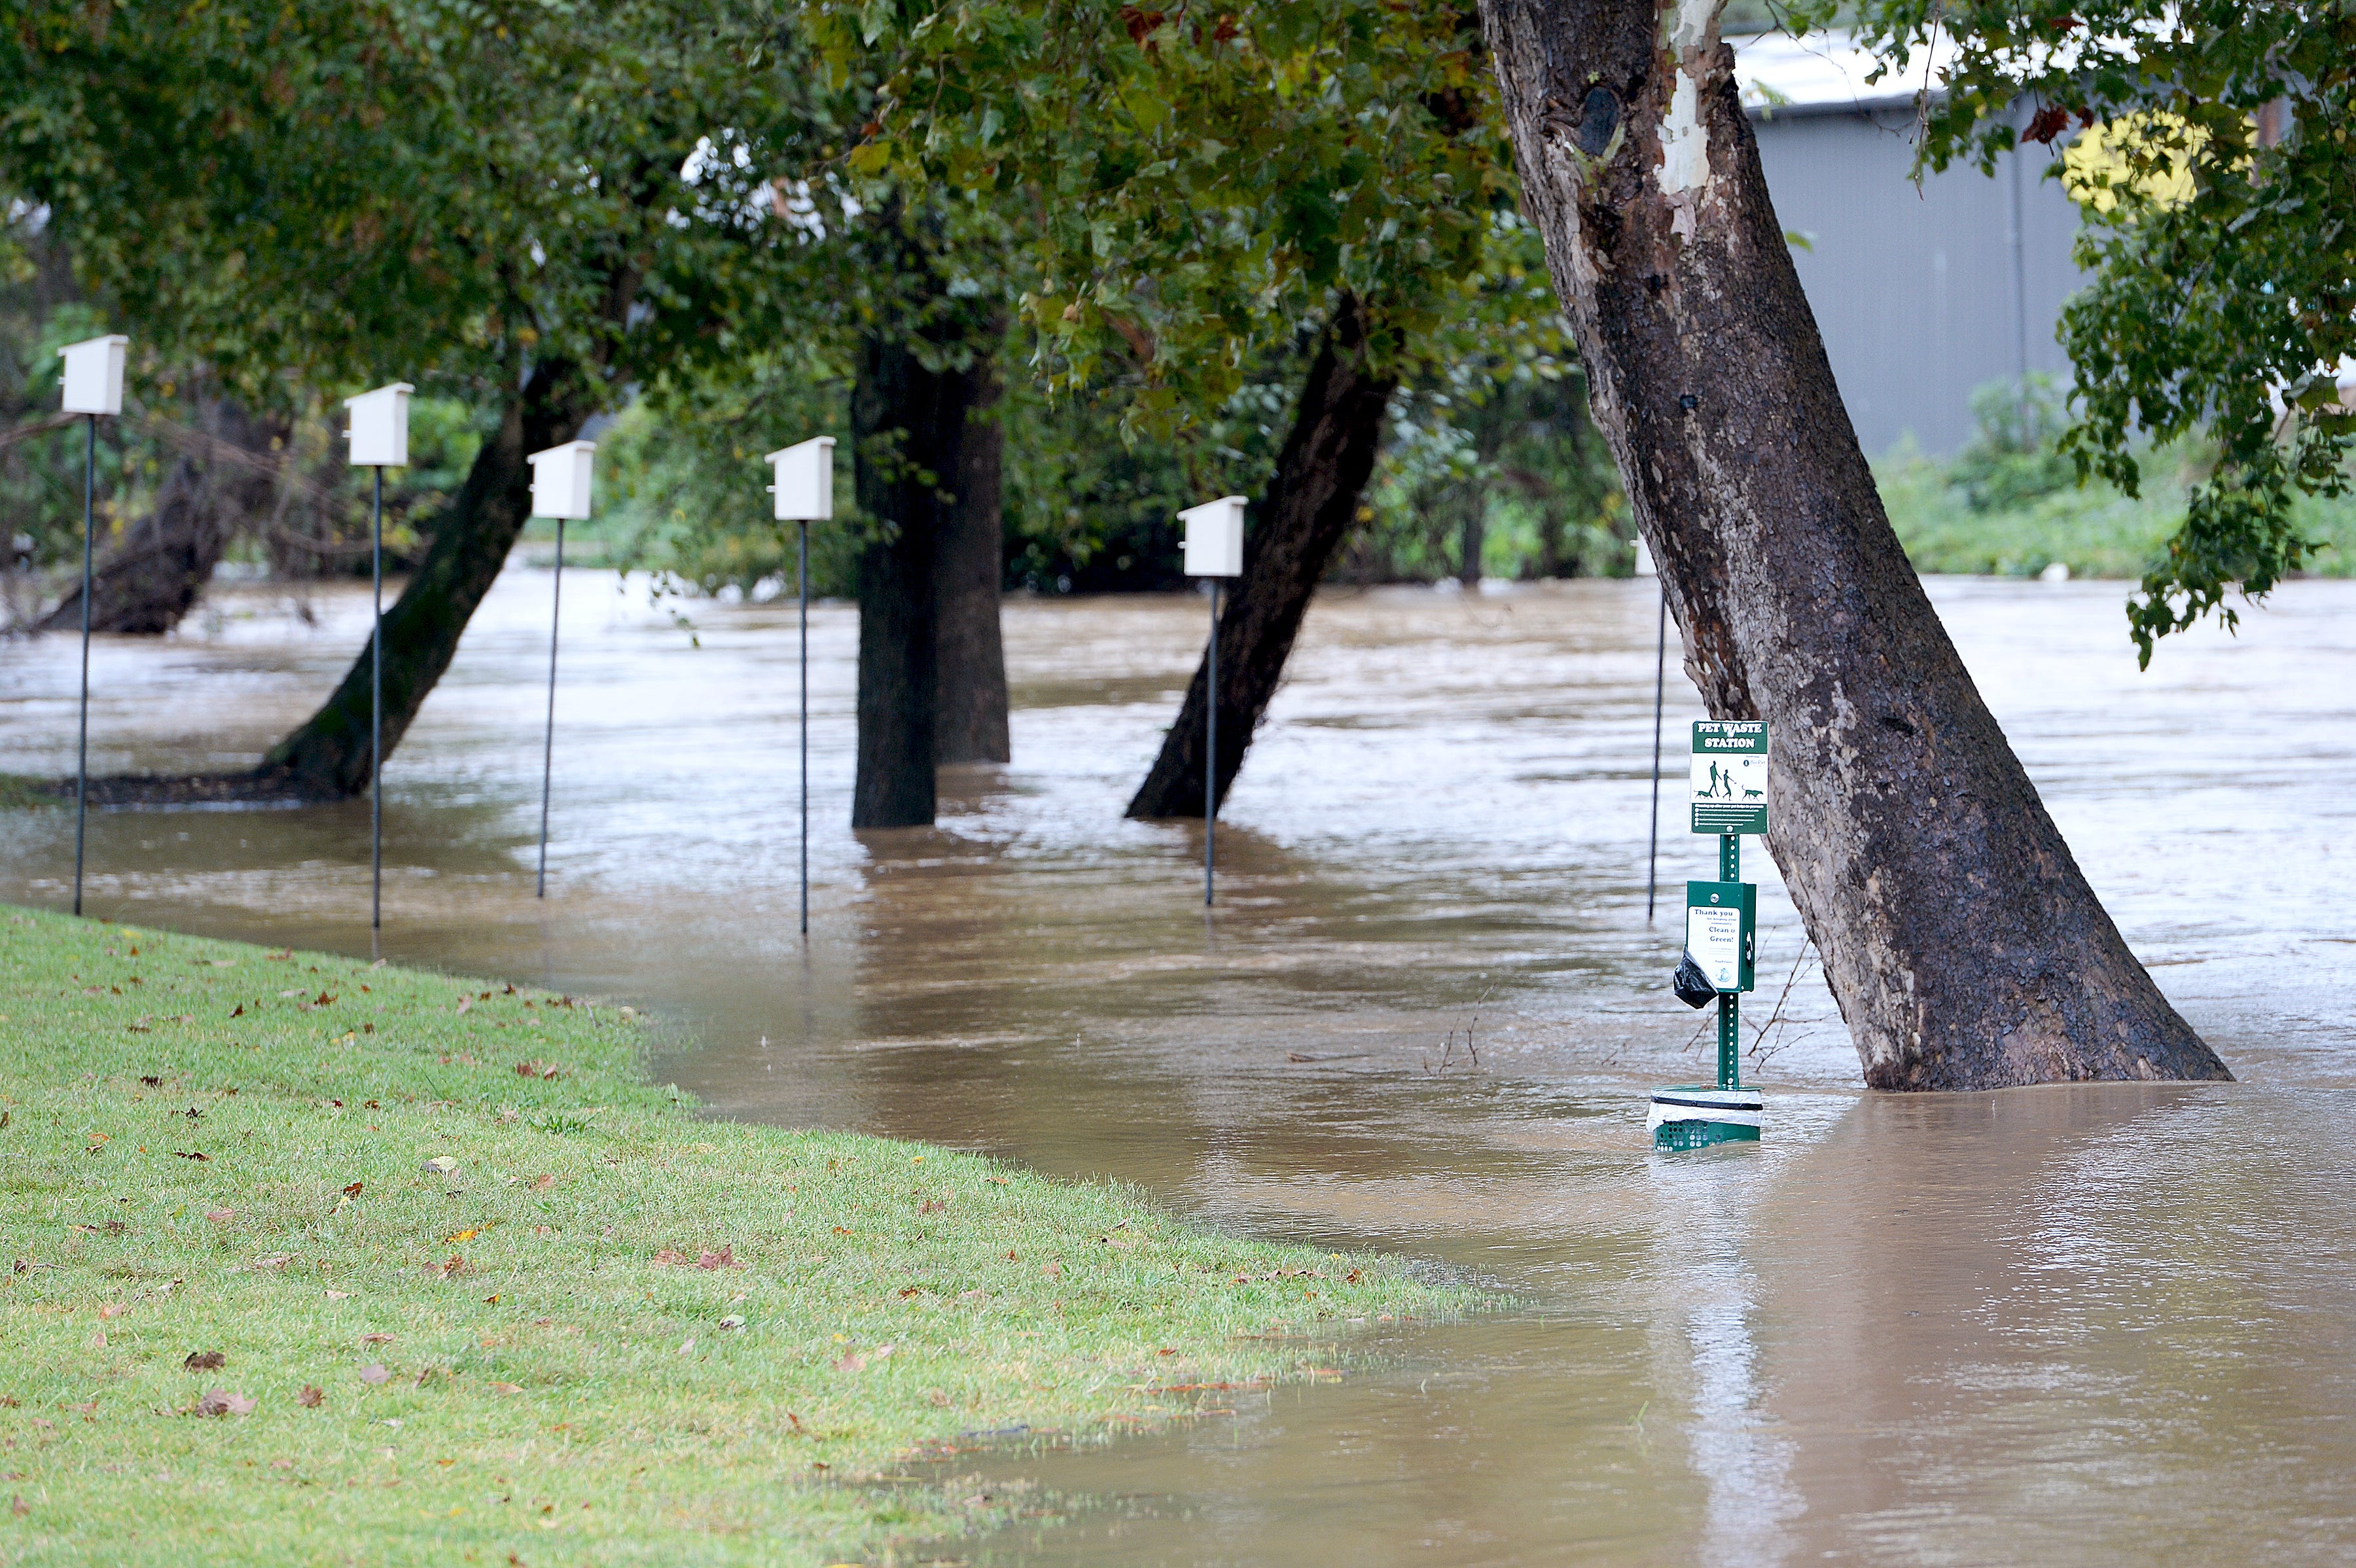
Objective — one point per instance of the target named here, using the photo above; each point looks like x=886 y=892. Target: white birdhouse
x=805 y=487
x=379 y=432
x=94 y=374
x=1215 y=538
x=560 y=480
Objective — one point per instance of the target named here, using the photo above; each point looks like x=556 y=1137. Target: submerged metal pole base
x=82 y=752
x=548 y=744
x=1652 y=836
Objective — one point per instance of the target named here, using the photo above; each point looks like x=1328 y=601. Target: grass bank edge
x=613 y=1326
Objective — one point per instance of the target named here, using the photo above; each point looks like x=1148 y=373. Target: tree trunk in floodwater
x=1309 y=503
x=969 y=565
x=1959 y=937
x=227 y=472
x=329 y=756
x=921 y=441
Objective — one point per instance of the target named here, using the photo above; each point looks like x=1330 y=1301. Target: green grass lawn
x=248 y=1320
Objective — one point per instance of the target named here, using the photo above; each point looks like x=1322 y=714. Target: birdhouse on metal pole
x=94 y=377
x=379 y=432
x=560 y=480
x=1215 y=549
x=804 y=490
x=1215 y=538
x=804 y=493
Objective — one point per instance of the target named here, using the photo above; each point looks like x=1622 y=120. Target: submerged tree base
x=254 y=787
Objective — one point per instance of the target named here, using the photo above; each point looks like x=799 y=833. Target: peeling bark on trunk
x=329 y=756
x=1309 y=503
x=969 y=565
x=151 y=579
x=1960 y=940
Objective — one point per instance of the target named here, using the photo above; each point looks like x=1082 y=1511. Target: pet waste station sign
x=1720 y=960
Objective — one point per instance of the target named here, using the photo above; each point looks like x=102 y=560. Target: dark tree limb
x=1960 y=940
x=153 y=575
x=1310 y=504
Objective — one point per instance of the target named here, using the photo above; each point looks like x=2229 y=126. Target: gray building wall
x=1913 y=291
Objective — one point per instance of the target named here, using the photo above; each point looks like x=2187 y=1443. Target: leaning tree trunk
x=969 y=565
x=1960 y=940
x=329 y=756
x=1309 y=503
x=227 y=472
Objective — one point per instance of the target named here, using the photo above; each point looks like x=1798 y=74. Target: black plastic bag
x=1692 y=986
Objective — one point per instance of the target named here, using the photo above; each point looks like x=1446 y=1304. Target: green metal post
x=1730 y=1004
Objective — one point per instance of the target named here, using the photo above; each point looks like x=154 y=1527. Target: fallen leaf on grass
x=312 y=1396
x=190 y=1155
x=465 y=1002
x=204 y=1360
x=376 y=1339
x=730 y=1323
x=113 y=1309
x=507 y=1388
x=539 y=1069
x=219 y=1401
x=275 y=1260
x=353 y=1190
x=17 y=1506
x=440 y=1165
x=544 y=1183
x=240 y=1011
x=465 y=1235
x=374 y=1372
x=220 y=1216
x=932 y=1206
x=857 y=1362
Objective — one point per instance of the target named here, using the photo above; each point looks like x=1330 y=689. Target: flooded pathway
x=2101 y=1325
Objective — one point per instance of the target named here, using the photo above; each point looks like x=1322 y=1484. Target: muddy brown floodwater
x=2103 y=1325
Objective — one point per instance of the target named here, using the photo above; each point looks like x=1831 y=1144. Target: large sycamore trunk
x=1310 y=504
x=1960 y=940
x=227 y=472
x=329 y=756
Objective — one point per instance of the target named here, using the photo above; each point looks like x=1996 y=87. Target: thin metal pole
x=81 y=763
x=1211 y=761
x=803 y=569
x=548 y=745
x=1730 y=1002
x=1653 y=842
x=376 y=709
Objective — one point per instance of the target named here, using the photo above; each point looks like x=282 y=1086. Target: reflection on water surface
x=2096 y=1325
